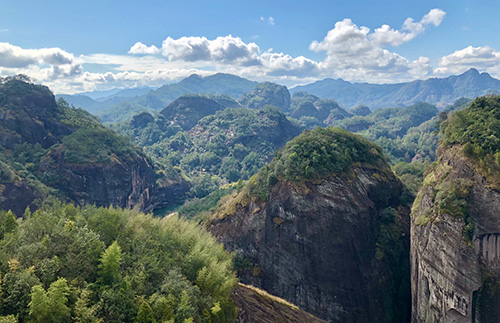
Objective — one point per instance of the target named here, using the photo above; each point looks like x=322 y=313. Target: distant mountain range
x=438 y=91
x=113 y=106
x=116 y=106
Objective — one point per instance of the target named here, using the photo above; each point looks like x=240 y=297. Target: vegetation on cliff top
x=64 y=263
x=313 y=155
x=477 y=128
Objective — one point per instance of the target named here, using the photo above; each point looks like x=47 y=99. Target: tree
x=50 y=306
x=109 y=268
x=145 y=313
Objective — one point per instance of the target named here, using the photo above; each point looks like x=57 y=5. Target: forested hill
x=50 y=150
x=437 y=91
x=119 y=108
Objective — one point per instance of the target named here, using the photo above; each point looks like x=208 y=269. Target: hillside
x=267 y=94
x=69 y=264
x=50 y=149
x=324 y=226
x=224 y=147
x=455 y=222
x=436 y=91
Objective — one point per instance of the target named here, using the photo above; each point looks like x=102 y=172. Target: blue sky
x=75 y=46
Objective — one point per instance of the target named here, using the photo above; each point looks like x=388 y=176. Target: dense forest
x=64 y=263
x=76 y=245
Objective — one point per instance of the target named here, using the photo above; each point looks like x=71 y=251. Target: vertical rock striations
x=323 y=226
x=456 y=223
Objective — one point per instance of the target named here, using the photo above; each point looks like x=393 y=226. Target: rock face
x=38 y=136
x=258 y=306
x=267 y=94
x=187 y=110
x=455 y=255
x=337 y=246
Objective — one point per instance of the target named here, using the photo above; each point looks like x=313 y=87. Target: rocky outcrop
x=256 y=305
x=336 y=246
x=267 y=94
x=454 y=243
x=38 y=137
x=187 y=110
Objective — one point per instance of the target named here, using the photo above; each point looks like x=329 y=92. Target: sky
x=77 y=46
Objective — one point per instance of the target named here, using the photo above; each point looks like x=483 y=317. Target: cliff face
x=455 y=248
x=51 y=149
x=267 y=94
x=336 y=246
x=258 y=306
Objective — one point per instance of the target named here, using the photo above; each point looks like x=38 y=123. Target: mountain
x=455 y=224
x=220 y=148
x=219 y=83
x=187 y=110
x=438 y=91
x=324 y=226
x=49 y=149
x=267 y=94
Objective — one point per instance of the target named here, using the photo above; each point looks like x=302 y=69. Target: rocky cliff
x=267 y=94
x=50 y=149
x=330 y=236
x=456 y=223
x=256 y=305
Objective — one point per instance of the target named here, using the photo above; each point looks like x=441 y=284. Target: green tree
x=109 y=268
x=50 y=306
x=84 y=313
x=145 y=313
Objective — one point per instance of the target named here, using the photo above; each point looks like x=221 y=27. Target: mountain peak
x=471 y=71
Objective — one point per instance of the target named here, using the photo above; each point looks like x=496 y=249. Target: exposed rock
x=258 y=306
x=336 y=246
x=103 y=169
x=267 y=94
x=455 y=255
x=305 y=109
x=187 y=110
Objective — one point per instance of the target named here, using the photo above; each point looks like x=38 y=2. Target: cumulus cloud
x=15 y=56
x=353 y=52
x=140 y=48
x=279 y=64
x=226 y=49
x=484 y=58
x=359 y=54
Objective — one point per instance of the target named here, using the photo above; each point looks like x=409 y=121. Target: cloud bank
x=352 y=52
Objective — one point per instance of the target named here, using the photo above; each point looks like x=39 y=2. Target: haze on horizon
x=76 y=47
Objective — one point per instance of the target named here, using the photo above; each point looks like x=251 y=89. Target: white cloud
x=353 y=52
x=226 y=49
x=15 y=56
x=483 y=58
x=140 y=48
x=356 y=53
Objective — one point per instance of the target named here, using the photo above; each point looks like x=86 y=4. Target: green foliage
x=109 y=273
x=411 y=174
x=313 y=155
x=477 y=128
x=96 y=146
x=56 y=263
x=403 y=133
x=145 y=313
x=50 y=306
x=198 y=209
x=232 y=144
x=76 y=118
